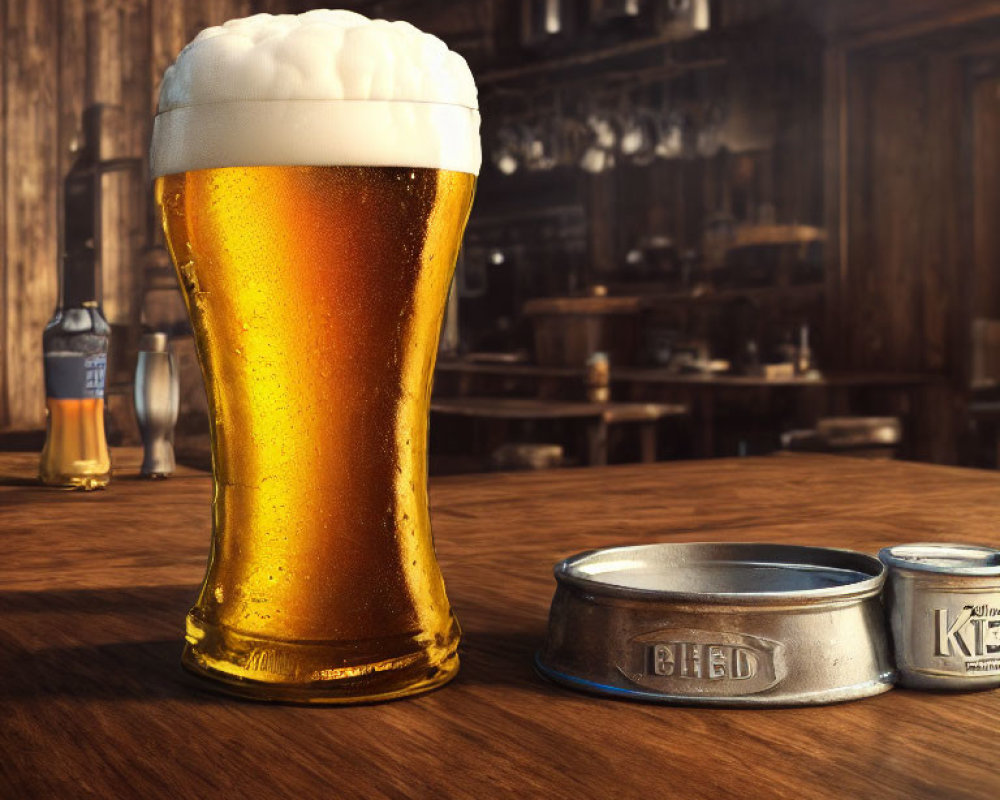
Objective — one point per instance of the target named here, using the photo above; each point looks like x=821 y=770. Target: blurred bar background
x=753 y=225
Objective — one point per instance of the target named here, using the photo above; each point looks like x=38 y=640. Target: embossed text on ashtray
x=686 y=661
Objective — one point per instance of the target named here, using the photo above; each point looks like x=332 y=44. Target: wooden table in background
x=598 y=417
x=924 y=400
x=94 y=588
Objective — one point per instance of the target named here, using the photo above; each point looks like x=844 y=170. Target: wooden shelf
x=554 y=65
x=805 y=291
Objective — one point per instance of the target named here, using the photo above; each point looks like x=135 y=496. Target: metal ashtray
x=944 y=609
x=720 y=624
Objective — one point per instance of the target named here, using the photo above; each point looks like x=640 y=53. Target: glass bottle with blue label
x=76 y=354
x=75 y=344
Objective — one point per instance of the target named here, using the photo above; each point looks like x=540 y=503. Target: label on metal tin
x=690 y=662
x=966 y=637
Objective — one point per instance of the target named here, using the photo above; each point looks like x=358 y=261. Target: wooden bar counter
x=94 y=588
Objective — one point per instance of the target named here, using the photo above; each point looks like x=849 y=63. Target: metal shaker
x=157 y=401
x=943 y=602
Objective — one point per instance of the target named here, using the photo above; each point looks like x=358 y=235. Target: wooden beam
x=880 y=23
x=4 y=360
x=30 y=56
x=580 y=60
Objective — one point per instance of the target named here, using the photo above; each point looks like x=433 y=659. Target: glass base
x=317 y=672
x=86 y=483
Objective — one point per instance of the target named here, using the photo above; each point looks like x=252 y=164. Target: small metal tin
x=943 y=603
x=720 y=624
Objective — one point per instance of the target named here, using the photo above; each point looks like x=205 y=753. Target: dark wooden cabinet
x=912 y=189
x=912 y=193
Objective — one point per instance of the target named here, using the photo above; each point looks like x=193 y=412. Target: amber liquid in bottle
x=76 y=452
x=75 y=343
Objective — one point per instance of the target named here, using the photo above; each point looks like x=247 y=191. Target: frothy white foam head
x=324 y=88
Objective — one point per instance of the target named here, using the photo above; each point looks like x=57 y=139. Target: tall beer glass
x=314 y=175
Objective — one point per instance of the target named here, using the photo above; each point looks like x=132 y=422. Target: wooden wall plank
x=281 y=7
x=72 y=86
x=4 y=360
x=798 y=195
x=136 y=60
x=986 y=196
x=200 y=14
x=897 y=137
x=834 y=199
x=137 y=120
x=30 y=206
x=240 y=8
x=900 y=188
x=943 y=273
x=131 y=186
x=167 y=37
x=104 y=71
x=857 y=299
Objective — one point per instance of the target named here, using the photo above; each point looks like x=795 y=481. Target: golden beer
x=316 y=294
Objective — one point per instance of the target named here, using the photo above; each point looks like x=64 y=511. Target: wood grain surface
x=94 y=588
